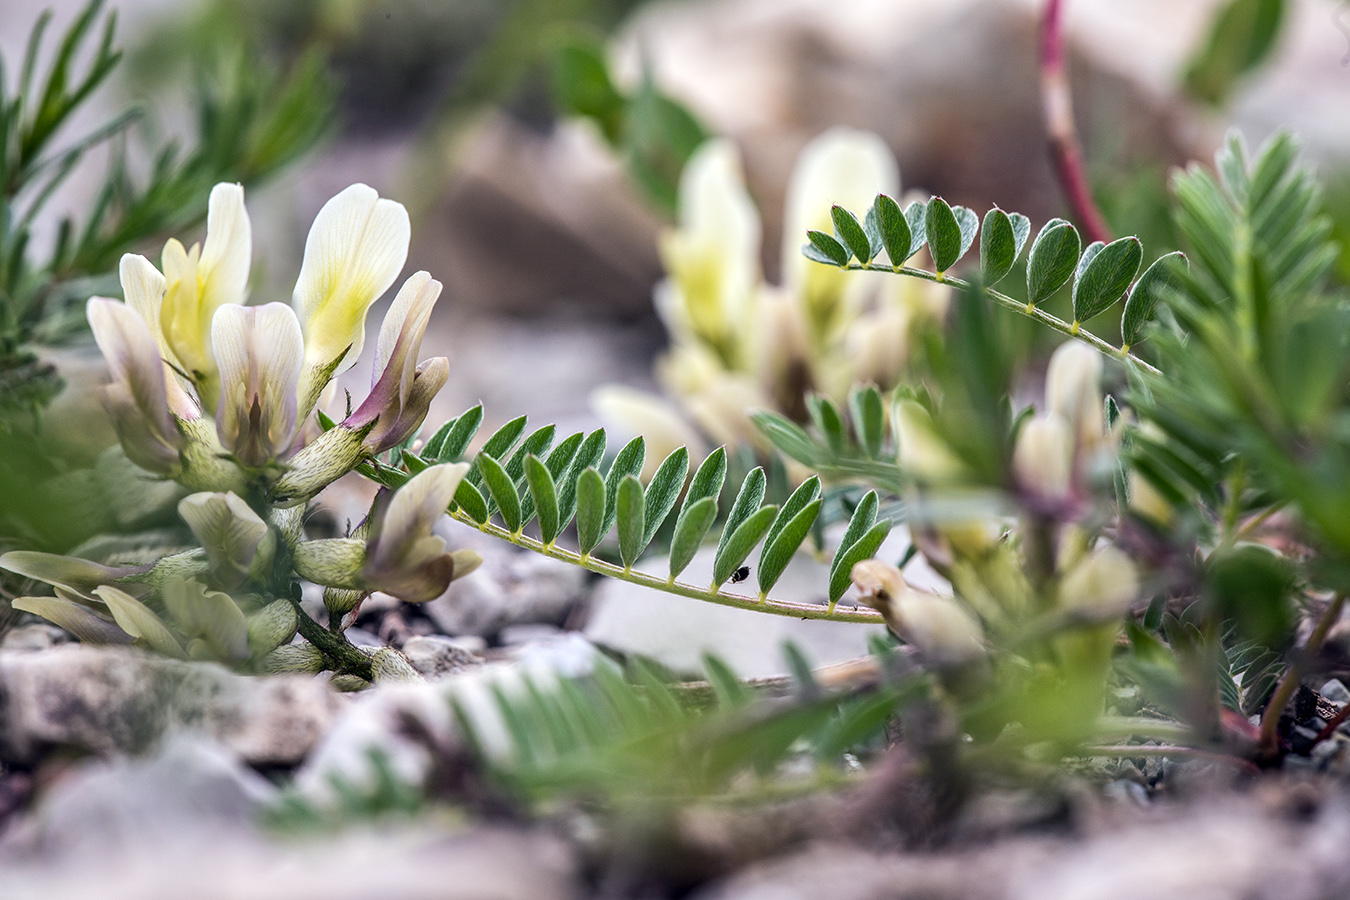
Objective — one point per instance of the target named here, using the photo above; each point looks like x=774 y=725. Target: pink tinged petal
x=405 y=558
x=354 y=251
x=396 y=354
x=259 y=352
x=428 y=380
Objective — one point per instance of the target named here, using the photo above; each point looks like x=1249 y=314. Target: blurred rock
x=435 y=655
x=190 y=795
x=38 y=636
x=115 y=700
x=511 y=587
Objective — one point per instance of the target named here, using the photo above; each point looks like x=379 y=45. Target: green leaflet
x=557 y=464
x=782 y=542
x=747 y=501
x=829 y=420
x=450 y=442
x=662 y=492
x=915 y=215
x=944 y=234
x=1157 y=282
x=629 y=511
x=1001 y=242
x=544 y=494
x=591 y=451
x=690 y=529
x=502 y=440
x=869 y=418
x=876 y=242
x=537 y=444
x=628 y=462
x=730 y=691
x=469 y=499
x=590 y=510
x=1104 y=275
x=1051 y=263
x=841 y=570
x=502 y=490
x=801 y=498
x=893 y=228
x=787 y=436
x=825 y=249
x=851 y=234
x=864 y=515
x=736 y=547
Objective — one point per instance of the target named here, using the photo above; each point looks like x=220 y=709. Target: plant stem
x=769 y=605
x=1030 y=312
x=1284 y=691
x=1066 y=152
x=340 y=655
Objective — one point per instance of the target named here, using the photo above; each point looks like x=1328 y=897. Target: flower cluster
x=740 y=343
x=215 y=394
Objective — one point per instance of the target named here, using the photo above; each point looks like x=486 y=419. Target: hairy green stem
x=1032 y=312
x=341 y=656
x=1284 y=691
x=590 y=563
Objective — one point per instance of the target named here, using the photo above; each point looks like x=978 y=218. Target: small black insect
x=740 y=575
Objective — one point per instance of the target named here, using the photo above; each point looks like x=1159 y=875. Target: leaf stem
x=590 y=563
x=1032 y=312
x=1293 y=676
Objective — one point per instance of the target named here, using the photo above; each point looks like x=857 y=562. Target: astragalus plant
x=220 y=397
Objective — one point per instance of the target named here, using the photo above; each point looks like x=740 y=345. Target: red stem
x=1066 y=153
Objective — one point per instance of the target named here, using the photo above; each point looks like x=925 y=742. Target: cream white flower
x=354 y=251
x=137 y=398
x=938 y=626
x=236 y=539
x=259 y=351
x=1073 y=390
x=713 y=256
x=921 y=451
x=1044 y=456
x=1103 y=584
x=200 y=280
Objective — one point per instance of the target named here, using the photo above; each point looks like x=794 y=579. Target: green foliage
x=1242 y=36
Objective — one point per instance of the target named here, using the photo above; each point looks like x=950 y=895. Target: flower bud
x=939 y=626
x=921 y=452
x=1043 y=458
x=1102 y=585
x=1073 y=391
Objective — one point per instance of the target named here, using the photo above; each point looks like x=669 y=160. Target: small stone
x=513 y=635
x=39 y=636
x=435 y=655
x=1335 y=692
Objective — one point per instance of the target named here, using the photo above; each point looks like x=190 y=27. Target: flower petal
x=396 y=356
x=355 y=249
x=229 y=531
x=78 y=619
x=67 y=571
x=139 y=621
x=228 y=251
x=259 y=350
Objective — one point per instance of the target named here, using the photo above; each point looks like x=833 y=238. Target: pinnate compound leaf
x=544 y=493
x=736 y=547
x=863 y=548
x=1157 y=282
x=628 y=462
x=944 y=234
x=851 y=234
x=782 y=541
x=690 y=529
x=1054 y=254
x=869 y=418
x=497 y=446
x=557 y=463
x=629 y=511
x=590 y=510
x=893 y=228
x=537 y=444
x=1104 y=277
x=747 y=501
x=663 y=490
x=825 y=249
